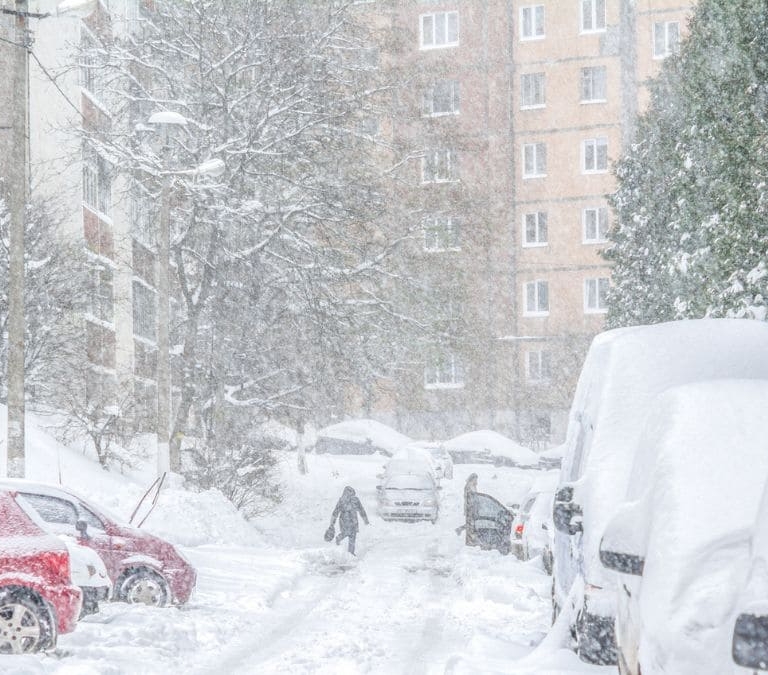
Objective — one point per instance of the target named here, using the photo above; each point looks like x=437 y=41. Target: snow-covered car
x=680 y=544
x=410 y=459
x=88 y=571
x=408 y=496
x=440 y=457
x=359 y=437
x=142 y=568
x=533 y=530
x=38 y=600
x=489 y=447
x=625 y=369
x=750 y=630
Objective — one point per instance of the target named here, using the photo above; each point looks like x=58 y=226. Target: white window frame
x=443 y=372
x=440 y=233
x=595 y=290
x=538 y=365
x=144 y=311
x=445 y=166
x=532 y=84
x=535 y=157
x=669 y=46
x=432 y=19
x=532 y=26
x=538 y=219
x=591 y=81
x=538 y=285
x=598 y=148
x=454 y=93
x=599 y=217
x=597 y=19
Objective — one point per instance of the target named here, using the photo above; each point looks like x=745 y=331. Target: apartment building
x=95 y=204
x=521 y=107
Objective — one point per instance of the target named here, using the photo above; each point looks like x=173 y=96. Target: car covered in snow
x=440 y=457
x=750 y=627
x=489 y=447
x=408 y=496
x=681 y=542
x=411 y=459
x=624 y=371
x=359 y=437
x=533 y=530
x=142 y=568
x=38 y=600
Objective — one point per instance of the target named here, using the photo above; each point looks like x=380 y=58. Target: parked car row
x=658 y=510
x=61 y=555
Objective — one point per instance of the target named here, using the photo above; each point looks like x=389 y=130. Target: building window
x=90 y=73
x=534 y=160
x=536 y=298
x=537 y=366
x=532 y=22
x=440 y=234
x=666 y=39
x=595 y=155
x=443 y=371
x=592 y=15
x=144 y=311
x=593 y=84
x=535 y=228
x=440 y=29
x=595 y=294
x=100 y=292
x=595 y=221
x=440 y=166
x=442 y=98
x=142 y=222
x=97 y=183
x=532 y=93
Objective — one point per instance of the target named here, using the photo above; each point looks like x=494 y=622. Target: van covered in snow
x=624 y=371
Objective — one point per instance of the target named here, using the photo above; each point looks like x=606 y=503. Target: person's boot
x=338 y=539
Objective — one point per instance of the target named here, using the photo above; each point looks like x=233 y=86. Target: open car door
x=491 y=521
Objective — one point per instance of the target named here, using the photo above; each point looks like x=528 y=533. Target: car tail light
x=519 y=529
x=59 y=566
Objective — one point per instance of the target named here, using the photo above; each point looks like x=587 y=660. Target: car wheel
x=26 y=626
x=555 y=606
x=546 y=558
x=143 y=587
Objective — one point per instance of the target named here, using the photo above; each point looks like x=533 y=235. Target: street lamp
x=166 y=120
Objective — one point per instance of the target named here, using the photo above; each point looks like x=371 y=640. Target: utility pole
x=164 y=460
x=18 y=193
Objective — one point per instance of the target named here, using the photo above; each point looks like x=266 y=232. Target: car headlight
x=428 y=502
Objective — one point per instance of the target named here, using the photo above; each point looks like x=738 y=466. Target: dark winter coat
x=346 y=511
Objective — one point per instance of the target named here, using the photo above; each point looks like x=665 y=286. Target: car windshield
x=410 y=482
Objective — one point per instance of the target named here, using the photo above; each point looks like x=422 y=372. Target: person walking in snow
x=470 y=490
x=346 y=511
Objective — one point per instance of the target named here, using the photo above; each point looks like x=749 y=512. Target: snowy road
x=415 y=601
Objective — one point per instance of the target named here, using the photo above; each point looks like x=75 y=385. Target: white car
x=533 y=529
x=87 y=569
x=438 y=456
x=681 y=544
x=411 y=459
x=624 y=371
x=408 y=496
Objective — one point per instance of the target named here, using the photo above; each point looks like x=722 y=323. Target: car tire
x=555 y=606
x=143 y=586
x=546 y=559
x=26 y=624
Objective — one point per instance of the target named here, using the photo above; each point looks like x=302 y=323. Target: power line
x=56 y=84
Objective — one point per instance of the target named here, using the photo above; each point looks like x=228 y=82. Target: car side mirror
x=82 y=527
x=567 y=517
x=544 y=526
x=750 y=641
x=622 y=547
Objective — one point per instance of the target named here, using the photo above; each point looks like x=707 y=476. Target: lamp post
x=214 y=167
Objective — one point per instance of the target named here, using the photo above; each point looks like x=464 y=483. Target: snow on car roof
x=625 y=371
x=362 y=430
x=494 y=442
x=706 y=482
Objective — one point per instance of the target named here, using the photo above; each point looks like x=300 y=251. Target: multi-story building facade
x=518 y=109
x=94 y=204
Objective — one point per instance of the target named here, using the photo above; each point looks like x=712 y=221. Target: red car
x=37 y=598
x=143 y=568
